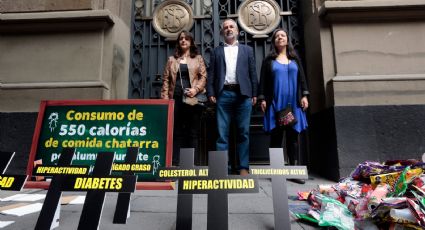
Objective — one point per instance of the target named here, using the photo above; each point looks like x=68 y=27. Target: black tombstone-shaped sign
x=218 y=185
x=47 y=213
x=187 y=169
x=93 y=205
x=129 y=167
x=9 y=182
x=278 y=174
x=95 y=185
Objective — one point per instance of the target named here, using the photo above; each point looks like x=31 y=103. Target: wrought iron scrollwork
x=151 y=49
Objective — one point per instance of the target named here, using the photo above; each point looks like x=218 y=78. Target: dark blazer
x=246 y=72
x=266 y=81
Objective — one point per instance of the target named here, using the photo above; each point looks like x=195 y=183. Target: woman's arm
x=166 y=80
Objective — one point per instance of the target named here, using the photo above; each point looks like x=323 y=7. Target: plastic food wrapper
x=403 y=162
x=303 y=195
x=417 y=212
x=400 y=186
x=420 y=182
x=382 y=210
x=396 y=226
x=361 y=210
x=351 y=204
x=314 y=213
x=315 y=199
x=370 y=168
x=420 y=199
x=402 y=216
x=328 y=190
x=360 y=206
x=305 y=217
x=334 y=213
x=380 y=196
x=350 y=187
x=391 y=178
x=377 y=195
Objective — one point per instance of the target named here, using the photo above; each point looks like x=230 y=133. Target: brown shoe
x=243 y=172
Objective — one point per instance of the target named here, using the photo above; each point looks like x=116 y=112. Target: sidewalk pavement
x=153 y=209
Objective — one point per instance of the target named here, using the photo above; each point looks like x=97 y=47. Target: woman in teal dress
x=283 y=84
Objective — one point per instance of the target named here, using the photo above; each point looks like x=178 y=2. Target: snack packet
x=334 y=213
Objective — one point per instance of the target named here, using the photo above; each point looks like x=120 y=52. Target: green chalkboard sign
x=104 y=126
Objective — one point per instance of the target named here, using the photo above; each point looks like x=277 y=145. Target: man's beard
x=230 y=36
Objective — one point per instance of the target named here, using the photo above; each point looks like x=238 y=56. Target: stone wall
x=370 y=81
x=58 y=50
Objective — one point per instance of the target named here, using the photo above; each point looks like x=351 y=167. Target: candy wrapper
x=417 y=212
x=365 y=170
x=420 y=182
x=377 y=195
x=315 y=199
x=361 y=210
x=314 y=213
x=334 y=213
x=395 y=226
x=382 y=210
x=350 y=187
x=370 y=168
x=400 y=186
x=328 y=190
x=410 y=162
x=402 y=216
x=303 y=195
x=305 y=217
x=391 y=178
x=351 y=204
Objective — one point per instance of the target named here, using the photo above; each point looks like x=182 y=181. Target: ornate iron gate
x=256 y=18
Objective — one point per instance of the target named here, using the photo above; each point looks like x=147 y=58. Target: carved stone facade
x=172 y=17
x=259 y=17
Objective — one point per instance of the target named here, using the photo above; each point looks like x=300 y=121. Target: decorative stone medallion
x=259 y=17
x=171 y=17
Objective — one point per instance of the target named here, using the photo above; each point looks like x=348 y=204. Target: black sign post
x=73 y=178
x=187 y=169
x=185 y=201
x=93 y=205
x=5 y=159
x=218 y=185
x=47 y=213
x=9 y=182
x=123 y=201
x=278 y=174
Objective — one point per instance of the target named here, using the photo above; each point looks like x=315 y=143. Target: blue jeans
x=230 y=105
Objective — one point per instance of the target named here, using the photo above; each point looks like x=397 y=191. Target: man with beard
x=232 y=85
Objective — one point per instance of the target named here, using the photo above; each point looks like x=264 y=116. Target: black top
x=184 y=73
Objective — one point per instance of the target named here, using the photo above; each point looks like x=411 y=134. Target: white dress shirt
x=231 y=57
